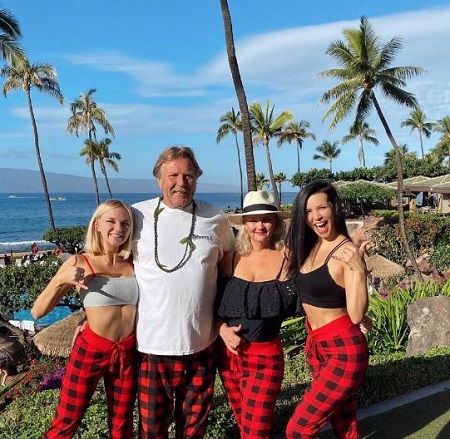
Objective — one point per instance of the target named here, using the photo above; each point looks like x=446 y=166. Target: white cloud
x=281 y=66
x=153 y=78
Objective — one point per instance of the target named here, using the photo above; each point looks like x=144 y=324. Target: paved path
x=393 y=403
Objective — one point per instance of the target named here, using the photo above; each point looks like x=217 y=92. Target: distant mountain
x=18 y=181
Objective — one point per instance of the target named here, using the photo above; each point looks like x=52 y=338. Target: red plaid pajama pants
x=175 y=388
x=93 y=357
x=338 y=356
x=252 y=381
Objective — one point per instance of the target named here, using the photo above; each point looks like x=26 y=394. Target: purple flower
x=52 y=380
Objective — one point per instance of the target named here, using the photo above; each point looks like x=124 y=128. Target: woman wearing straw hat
x=253 y=299
x=329 y=273
x=104 y=278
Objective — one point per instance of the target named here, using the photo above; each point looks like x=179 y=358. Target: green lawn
x=426 y=418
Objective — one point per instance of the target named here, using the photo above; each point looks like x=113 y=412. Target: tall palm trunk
x=94 y=175
x=421 y=142
x=103 y=169
x=361 y=152
x=242 y=99
x=51 y=220
x=240 y=170
x=401 y=212
x=271 y=176
x=298 y=157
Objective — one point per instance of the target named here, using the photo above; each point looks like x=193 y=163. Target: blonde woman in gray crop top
x=104 y=278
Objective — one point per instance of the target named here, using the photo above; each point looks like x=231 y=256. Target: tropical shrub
x=389 y=216
x=293 y=335
x=440 y=257
x=425 y=232
x=35 y=379
x=388 y=311
x=20 y=285
x=68 y=238
x=388 y=243
x=427 y=229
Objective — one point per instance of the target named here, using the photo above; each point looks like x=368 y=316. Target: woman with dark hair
x=329 y=273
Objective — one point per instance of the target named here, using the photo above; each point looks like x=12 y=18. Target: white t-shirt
x=175 y=310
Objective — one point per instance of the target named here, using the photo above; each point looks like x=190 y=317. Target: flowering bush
x=33 y=379
x=52 y=380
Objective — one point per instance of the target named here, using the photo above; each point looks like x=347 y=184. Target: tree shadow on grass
x=427 y=418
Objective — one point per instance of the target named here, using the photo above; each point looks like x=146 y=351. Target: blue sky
x=162 y=76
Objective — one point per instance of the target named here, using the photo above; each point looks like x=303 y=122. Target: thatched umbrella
x=12 y=353
x=381 y=267
x=56 y=339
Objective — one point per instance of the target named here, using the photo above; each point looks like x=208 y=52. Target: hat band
x=254 y=207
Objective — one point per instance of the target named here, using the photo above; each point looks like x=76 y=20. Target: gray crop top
x=107 y=291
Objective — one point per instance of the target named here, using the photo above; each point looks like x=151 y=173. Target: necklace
x=187 y=241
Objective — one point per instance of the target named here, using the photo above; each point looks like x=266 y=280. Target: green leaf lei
x=187 y=241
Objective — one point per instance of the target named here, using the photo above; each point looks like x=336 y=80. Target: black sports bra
x=318 y=288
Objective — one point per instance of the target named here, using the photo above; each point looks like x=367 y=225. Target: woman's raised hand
x=71 y=274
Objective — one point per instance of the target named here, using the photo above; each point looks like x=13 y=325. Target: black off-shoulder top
x=260 y=307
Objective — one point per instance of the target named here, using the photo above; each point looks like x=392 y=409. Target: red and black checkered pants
x=93 y=357
x=338 y=356
x=252 y=381
x=175 y=388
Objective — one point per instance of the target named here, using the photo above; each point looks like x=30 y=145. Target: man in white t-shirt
x=177 y=244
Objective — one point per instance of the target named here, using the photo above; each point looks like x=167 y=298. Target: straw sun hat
x=257 y=203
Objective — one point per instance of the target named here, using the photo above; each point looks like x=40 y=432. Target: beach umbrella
x=56 y=339
x=381 y=267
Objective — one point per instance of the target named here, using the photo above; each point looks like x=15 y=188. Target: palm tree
x=231 y=123
x=241 y=97
x=328 y=151
x=9 y=34
x=24 y=76
x=279 y=179
x=362 y=132
x=261 y=181
x=443 y=126
x=416 y=121
x=100 y=151
x=265 y=126
x=366 y=66
x=85 y=115
x=296 y=131
x=390 y=156
x=438 y=154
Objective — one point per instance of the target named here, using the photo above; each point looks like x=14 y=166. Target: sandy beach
x=17 y=256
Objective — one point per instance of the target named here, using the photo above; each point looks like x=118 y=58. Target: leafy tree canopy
x=20 y=285
x=302 y=178
x=68 y=238
x=366 y=191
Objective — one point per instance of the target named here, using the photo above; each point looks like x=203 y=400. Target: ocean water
x=24 y=220
x=55 y=315
x=24 y=217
